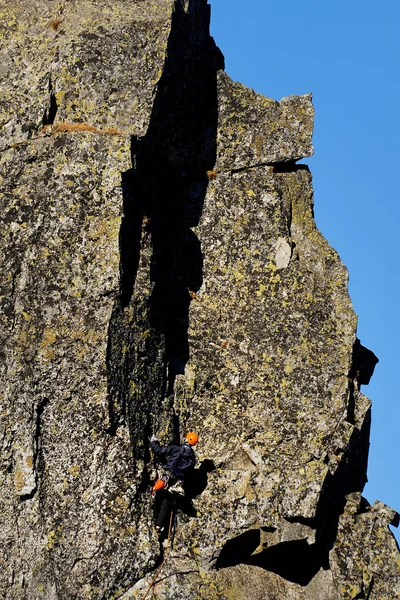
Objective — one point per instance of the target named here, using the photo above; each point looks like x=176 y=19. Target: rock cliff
x=162 y=272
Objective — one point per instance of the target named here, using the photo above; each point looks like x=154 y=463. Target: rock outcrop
x=162 y=271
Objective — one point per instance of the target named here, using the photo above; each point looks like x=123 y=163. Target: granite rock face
x=162 y=272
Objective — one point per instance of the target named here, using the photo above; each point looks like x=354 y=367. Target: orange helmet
x=192 y=438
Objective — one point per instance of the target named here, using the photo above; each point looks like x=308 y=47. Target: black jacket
x=180 y=458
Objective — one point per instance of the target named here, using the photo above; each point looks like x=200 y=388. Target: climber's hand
x=154 y=438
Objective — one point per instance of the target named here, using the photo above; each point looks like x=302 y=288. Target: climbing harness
x=177 y=488
x=153 y=581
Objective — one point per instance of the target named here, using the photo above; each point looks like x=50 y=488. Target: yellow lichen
x=49 y=337
x=74 y=470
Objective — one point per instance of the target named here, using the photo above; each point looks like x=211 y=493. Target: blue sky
x=347 y=54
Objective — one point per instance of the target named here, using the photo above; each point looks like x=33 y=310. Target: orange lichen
x=71 y=127
x=19 y=481
x=17 y=144
x=54 y=24
x=259 y=146
x=211 y=174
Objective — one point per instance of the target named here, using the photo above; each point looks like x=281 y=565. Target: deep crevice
x=163 y=197
x=370 y=588
x=38 y=431
x=365 y=594
x=289 y=166
x=36 y=448
x=116 y=376
x=249 y=167
x=51 y=109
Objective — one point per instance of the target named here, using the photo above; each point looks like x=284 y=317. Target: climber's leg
x=164 y=514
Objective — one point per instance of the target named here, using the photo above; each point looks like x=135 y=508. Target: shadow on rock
x=161 y=260
x=197 y=481
x=296 y=560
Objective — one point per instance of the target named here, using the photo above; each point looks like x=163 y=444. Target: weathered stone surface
x=68 y=488
x=256 y=130
x=93 y=63
x=365 y=558
x=162 y=271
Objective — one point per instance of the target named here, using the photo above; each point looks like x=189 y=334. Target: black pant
x=164 y=516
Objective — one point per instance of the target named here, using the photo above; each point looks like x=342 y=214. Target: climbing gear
x=166 y=548
x=192 y=438
x=160 y=484
x=177 y=488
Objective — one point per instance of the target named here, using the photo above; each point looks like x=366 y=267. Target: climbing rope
x=153 y=581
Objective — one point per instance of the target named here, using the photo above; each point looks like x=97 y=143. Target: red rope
x=165 y=556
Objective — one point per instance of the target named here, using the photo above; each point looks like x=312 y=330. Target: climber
x=180 y=460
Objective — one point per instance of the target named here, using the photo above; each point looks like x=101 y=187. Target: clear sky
x=346 y=52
